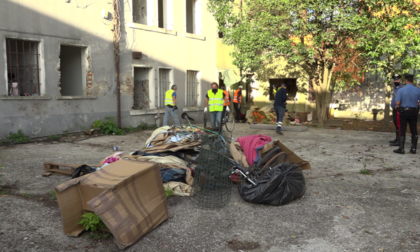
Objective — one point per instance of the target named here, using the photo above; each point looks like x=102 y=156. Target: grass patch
x=53 y=195
x=18 y=137
x=26 y=194
x=54 y=137
x=365 y=172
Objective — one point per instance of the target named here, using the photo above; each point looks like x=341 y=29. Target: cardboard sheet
x=127 y=195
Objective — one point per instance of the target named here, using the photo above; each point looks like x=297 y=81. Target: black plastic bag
x=279 y=186
x=82 y=170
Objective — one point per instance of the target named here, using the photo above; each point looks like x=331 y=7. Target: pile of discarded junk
x=127 y=190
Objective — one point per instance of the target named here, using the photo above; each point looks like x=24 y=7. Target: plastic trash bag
x=82 y=170
x=282 y=184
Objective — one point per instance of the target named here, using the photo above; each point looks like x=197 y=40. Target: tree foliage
x=322 y=34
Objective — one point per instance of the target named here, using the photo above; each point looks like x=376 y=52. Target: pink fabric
x=250 y=143
x=111 y=160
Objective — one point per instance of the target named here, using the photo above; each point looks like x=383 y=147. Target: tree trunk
x=323 y=92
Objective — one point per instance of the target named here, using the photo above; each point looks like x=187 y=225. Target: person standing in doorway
x=237 y=100
x=214 y=100
x=407 y=104
x=397 y=85
x=280 y=107
x=170 y=106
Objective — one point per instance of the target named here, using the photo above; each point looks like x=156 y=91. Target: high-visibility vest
x=215 y=100
x=275 y=91
x=168 y=98
x=227 y=98
x=237 y=99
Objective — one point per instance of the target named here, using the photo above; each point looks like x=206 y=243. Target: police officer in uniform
x=407 y=103
x=397 y=85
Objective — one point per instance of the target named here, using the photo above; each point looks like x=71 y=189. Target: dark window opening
x=71 y=72
x=140 y=11
x=189 y=12
x=161 y=21
x=141 y=98
x=23 y=66
x=290 y=85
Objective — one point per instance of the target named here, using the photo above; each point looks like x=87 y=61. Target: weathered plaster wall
x=53 y=23
x=170 y=49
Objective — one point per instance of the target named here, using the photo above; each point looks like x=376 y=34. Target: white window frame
x=199 y=94
x=157 y=86
x=41 y=63
x=197 y=17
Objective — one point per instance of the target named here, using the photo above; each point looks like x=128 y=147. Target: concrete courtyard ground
x=342 y=210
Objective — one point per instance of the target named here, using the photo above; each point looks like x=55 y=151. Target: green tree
x=319 y=33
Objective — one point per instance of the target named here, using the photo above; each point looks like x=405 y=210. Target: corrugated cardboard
x=127 y=195
x=291 y=156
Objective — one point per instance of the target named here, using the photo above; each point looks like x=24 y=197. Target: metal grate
x=164 y=85
x=23 y=65
x=192 y=85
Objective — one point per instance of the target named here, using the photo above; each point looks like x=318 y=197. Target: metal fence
x=192 y=86
x=23 y=65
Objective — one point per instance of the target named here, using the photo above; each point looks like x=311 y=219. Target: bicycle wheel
x=260 y=164
x=278 y=159
x=229 y=123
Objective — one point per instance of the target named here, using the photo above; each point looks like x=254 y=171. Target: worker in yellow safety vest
x=275 y=89
x=170 y=106
x=215 y=98
x=237 y=100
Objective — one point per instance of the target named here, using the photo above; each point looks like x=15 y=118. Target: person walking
x=280 y=107
x=227 y=102
x=407 y=103
x=170 y=106
x=397 y=85
x=237 y=100
x=215 y=98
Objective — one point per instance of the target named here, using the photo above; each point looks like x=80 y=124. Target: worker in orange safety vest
x=237 y=100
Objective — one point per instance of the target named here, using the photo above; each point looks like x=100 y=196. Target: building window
x=72 y=72
x=193 y=16
x=192 y=88
x=143 y=12
x=164 y=85
x=141 y=98
x=290 y=85
x=23 y=66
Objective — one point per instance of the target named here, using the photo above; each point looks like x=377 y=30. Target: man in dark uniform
x=397 y=85
x=407 y=103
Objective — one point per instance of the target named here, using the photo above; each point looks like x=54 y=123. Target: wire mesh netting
x=212 y=187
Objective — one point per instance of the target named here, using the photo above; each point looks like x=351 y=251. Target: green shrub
x=18 y=137
x=54 y=137
x=92 y=222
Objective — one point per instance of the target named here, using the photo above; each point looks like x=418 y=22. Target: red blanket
x=250 y=144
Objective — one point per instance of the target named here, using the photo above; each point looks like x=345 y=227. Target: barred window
x=164 y=85
x=192 y=87
x=23 y=66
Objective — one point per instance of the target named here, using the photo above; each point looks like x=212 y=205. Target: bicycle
x=229 y=124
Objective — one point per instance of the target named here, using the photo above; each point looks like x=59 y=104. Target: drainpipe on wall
x=117 y=56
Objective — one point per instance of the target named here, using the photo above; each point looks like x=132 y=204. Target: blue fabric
x=216 y=117
x=409 y=96
x=258 y=153
x=172 y=174
x=174 y=94
x=281 y=97
x=280 y=115
x=394 y=95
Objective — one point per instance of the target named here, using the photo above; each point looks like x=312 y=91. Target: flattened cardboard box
x=291 y=156
x=127 y=195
